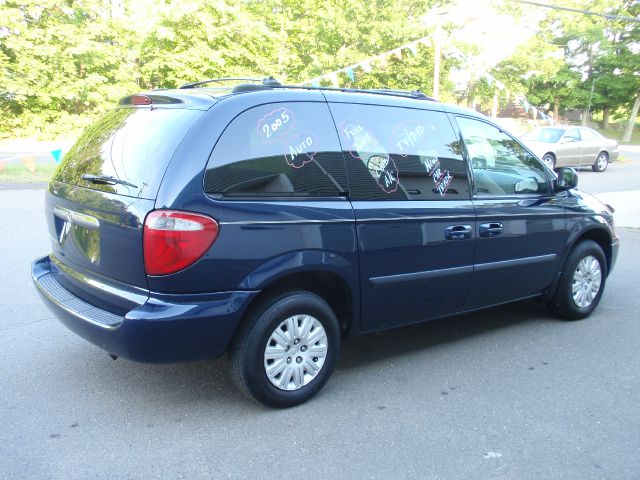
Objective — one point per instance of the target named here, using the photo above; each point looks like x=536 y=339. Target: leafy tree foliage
x=205 y=41
x=63 y=62
x=597 y=70
x=60 y=61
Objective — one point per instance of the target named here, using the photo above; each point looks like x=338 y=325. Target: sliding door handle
x=492 y=229
x=458 y=232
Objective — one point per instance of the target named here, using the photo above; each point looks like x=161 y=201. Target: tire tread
x=250 y=327
x=561 y=304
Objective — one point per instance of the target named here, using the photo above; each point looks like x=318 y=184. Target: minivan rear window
x=134 y=145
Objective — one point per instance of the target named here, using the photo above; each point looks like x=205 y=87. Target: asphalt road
x=507 y=393
x=620 y=176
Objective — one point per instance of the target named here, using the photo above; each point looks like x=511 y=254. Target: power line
x=578 y=10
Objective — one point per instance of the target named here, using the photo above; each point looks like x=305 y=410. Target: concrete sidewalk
x=627 y=206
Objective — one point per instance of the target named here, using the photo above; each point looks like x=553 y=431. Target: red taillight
x=141 y=100
x=175 y=240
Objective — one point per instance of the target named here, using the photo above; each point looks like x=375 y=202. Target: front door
x=520 y=221
x=415 y=220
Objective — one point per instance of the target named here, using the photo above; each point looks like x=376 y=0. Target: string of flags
x=382 y=60
x=29 y=160
x=366 y=64
x=521 y=99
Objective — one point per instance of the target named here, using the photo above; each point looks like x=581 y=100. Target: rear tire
x=601 y=163
x=582 y=282
x=286 y=349
x=550 y=160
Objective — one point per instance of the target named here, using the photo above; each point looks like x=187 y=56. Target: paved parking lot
x=505 y=393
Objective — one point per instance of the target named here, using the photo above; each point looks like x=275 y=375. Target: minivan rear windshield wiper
x=106 y=180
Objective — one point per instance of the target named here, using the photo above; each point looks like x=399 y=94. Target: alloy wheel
x=295 y=352
x=602 y=161
x=548 y=160
x=587 y=279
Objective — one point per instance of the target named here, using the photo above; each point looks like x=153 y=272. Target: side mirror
x=567 y=179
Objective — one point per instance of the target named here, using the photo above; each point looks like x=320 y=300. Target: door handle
x=492 y=229
x=458 y=232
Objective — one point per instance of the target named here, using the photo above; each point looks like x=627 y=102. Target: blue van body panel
x=164 y=328
x=266 y=241
x=409 y=271
x=586 y=215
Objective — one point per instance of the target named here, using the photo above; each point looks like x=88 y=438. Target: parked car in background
x=567 y=146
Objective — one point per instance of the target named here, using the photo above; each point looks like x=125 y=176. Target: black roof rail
x=270 y=82
x=376 y=91
x=411 y=93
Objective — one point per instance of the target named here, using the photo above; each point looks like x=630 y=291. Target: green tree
x=314 y=39
x=200 y=41
x=61 y=61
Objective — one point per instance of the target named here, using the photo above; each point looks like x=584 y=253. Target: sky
x=482 y=23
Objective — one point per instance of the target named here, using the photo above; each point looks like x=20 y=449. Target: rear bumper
x=165 y=328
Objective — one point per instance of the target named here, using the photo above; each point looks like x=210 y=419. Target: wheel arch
x=602 y=238
x=599 y=235
x=330 y=286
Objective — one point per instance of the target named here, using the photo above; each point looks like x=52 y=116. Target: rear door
x=408 y=185
x=96 y=228
x=521 y=222
x=569 y=151
x=590 y=145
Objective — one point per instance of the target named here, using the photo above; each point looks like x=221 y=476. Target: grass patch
x=18 y=173
x=616 y=131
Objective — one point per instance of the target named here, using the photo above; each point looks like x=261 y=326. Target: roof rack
x=377 y=91
x=267 y=82
x=270 y=82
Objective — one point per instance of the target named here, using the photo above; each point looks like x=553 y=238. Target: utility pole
x=435 y=16
x=437 y=54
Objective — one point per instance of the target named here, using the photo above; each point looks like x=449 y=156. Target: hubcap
x=602 y=161
x=549 y=161
x=295 y=352
x=586 y=281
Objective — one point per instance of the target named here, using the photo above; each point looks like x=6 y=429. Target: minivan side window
x=501 y=166
x=278 y=150
x=395 y=153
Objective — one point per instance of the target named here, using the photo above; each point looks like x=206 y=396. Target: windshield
x=547 y=135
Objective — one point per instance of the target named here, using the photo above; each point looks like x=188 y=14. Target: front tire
x=286 y=349
x=601 y=163
x=581 y=282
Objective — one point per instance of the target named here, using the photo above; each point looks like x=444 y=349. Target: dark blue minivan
x=270 y=221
